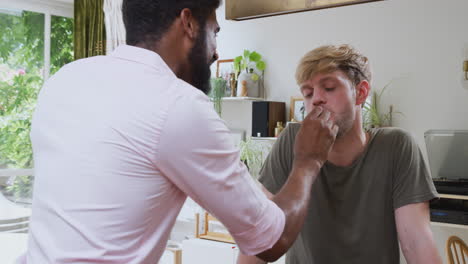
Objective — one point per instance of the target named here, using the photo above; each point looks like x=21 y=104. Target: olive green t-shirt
x=351 y=212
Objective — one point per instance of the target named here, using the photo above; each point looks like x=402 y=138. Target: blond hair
x=331 y=58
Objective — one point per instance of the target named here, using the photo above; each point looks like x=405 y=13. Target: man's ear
x=362 y=91
x=189 y=23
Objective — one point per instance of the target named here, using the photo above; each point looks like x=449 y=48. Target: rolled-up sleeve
x=196 y=153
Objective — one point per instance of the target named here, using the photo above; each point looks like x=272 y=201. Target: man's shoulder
x=393 y=139
x=188 y=90
x=79 y=64
x=192 y=101
x=392 y=134
x=95 y=61
x=292 y=129
x=287 y=137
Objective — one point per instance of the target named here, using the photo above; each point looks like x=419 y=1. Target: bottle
x=243 y=91
x=279 y=127
x=233 y=84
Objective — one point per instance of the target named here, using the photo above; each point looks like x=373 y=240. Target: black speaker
x=453 y=211
x=265 y=115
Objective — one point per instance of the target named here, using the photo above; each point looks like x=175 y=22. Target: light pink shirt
x=119 y=143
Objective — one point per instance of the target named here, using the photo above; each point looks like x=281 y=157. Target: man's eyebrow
x=327 y=79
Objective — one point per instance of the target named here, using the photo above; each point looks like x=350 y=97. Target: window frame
x=49 y=8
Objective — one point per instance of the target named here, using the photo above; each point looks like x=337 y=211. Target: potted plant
x=218 y=88
x=249 y=69
x=371 y=115
x=251 y=153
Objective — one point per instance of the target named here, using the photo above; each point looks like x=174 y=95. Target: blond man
x=374 y=188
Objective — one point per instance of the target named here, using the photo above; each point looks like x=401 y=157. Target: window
x=34 y=44
x=61 y=42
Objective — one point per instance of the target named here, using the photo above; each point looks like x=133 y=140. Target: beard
x=344 y=122
x=200 y=66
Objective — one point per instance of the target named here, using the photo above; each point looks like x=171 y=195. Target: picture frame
x=297 y=109
x=224 y=68
x=247 y=9
x=204 y=230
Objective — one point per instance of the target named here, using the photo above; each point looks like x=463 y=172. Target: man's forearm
x=243 y=259
x=423 y=253
x=421 y=249
x=415 y=235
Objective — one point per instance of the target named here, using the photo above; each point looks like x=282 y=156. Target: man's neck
x=172 y=49
x=349 y=146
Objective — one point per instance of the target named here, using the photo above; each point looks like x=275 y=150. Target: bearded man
x=120 y=141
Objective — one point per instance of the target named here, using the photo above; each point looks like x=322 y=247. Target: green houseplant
x=251 y=153
x=249 y=70
x=248 y=62
x=218 y=88
x=372 y=115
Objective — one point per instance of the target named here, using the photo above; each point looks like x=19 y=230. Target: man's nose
x=318 y=98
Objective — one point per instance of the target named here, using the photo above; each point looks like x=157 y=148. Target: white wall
x=420 y=43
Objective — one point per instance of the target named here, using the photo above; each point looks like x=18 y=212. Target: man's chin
x=343 y=128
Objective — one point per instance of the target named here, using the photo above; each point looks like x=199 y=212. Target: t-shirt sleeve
x=412 y=182
x=278 y=164
x=197 y=154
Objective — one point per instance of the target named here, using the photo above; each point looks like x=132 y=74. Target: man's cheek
x=308 y=105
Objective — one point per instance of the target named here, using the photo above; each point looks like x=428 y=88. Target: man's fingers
x=315 y=113
x=329 y=124
x=325 y=116
x=335 y=129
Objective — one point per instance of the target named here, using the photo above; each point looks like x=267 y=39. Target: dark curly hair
x=146 y=21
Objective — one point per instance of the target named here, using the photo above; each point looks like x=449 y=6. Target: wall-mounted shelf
x=264 y=138
x=449 y=225
x=240 y=99
x=243 y=99
x=453 y=196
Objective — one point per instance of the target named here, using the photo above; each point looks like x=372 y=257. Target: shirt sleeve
x=412 y=182
x=196 y=152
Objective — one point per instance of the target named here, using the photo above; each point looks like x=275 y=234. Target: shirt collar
x=141 y=55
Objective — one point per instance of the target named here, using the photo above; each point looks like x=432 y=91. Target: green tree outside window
x=21 y=77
